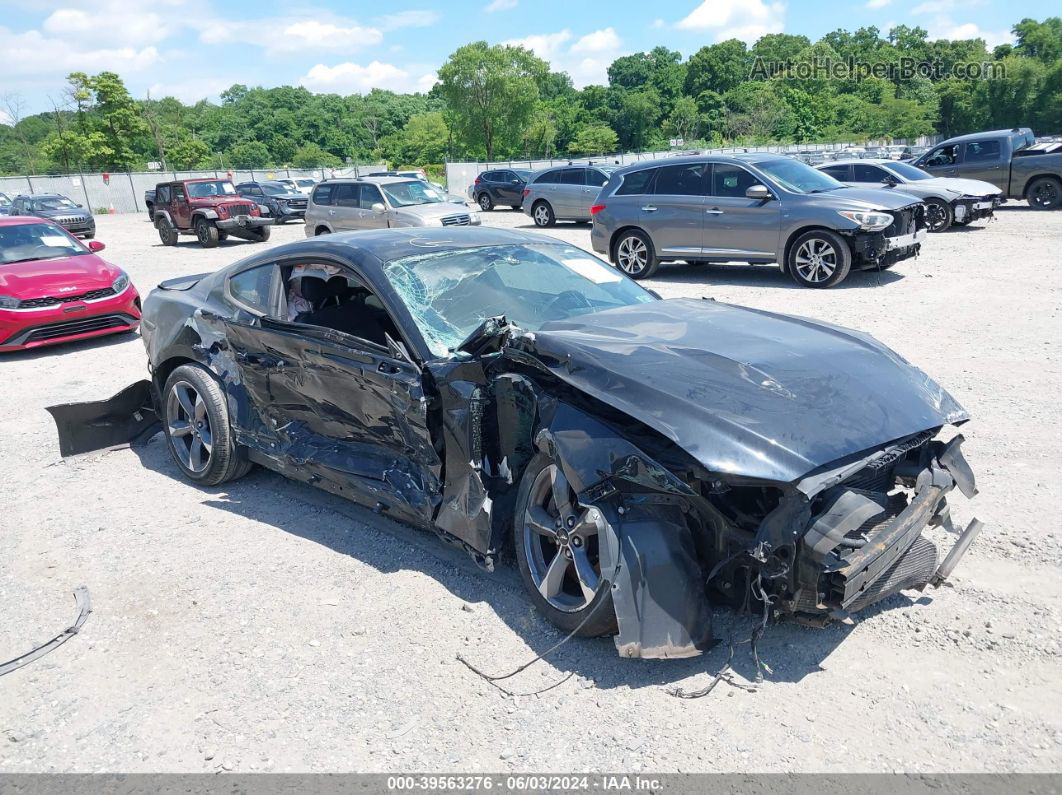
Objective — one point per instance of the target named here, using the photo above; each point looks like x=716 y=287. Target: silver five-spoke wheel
x=561 y=543
x=189 y=426
x=632 y=255
x=816 y=260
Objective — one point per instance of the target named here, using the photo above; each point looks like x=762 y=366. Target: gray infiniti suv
x=757 y=208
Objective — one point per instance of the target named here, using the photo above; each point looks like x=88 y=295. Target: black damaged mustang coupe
x=645 y=458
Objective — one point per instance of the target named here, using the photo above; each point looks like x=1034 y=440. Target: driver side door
x=343 y=412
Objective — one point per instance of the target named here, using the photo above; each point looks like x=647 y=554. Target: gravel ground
x=266 y=625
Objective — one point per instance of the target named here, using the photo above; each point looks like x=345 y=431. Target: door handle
x=714 y=211
x=649 y=209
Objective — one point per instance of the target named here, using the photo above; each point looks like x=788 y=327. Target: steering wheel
x=569 y=299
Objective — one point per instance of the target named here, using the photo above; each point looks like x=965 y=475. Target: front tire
x=206 y=233
x=1044 y=193
x=197 y=429
x=635 y=255
x=260 y=235
x=939 y=215
x=486 y=203
x=819 y=259
x=557 y=545
x=543 y=215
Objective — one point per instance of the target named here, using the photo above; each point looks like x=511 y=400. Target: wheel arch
x=842 y=233
x=616 y=236
x=1034 y=177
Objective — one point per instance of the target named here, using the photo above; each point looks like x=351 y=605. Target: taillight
x=478 y=180
x=527 y=192
x=596 y=208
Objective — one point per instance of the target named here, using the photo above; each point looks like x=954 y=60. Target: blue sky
x=195 y=48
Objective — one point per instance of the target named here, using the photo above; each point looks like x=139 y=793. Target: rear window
x=636 y=182
x=322 y=194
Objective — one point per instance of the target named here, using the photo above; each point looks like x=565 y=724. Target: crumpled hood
x=746 y=392
x=39 y=278
x=968 y=187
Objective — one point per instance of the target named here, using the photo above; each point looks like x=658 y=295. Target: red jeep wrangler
x=208 y=208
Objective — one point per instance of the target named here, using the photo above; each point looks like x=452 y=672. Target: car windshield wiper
x=37 y=259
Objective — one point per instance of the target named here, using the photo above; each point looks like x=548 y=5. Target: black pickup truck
x=1009 y=159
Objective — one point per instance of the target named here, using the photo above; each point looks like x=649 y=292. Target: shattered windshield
x=450 y=293
x=404 y=194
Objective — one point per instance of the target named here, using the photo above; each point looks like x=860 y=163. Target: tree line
x=503 y=102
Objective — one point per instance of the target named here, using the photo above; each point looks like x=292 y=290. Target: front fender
x=647 y=553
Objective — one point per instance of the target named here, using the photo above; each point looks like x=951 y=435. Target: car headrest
x=314 y=289
x=336 y=287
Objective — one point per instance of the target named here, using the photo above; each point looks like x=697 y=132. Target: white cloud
x=499 y=5
x=877 y=3
x=585 y=59
x=352 y=78
x=109 y=25
x=659 y=23
x=33 y=55
x=4 y=117
x=409 y=19
x=294 y=34
x=969 y=30
x=747 y=20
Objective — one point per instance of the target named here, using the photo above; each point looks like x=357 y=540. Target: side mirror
x=889 y=182
x=758 y=192
x=516 y=182
x=378 y=207
x=96 y=246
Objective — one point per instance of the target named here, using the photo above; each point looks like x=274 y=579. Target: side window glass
x=596 y=178
x=732 y=181
x=573 y=176
x=982 y=150
x=945 y=156
x=178 y=193
x=867 y=173
x=549 y=178
x=322 y=194
x=636 y=183
x=346 y=195
x=370 y=195
x=686 y=179
x=838 y=172
x=253 y=287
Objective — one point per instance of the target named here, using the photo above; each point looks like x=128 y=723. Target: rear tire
x=635 y=255
x=486 y=203
x=567 y=567
x=206 y=233
x=819 y=259
x=197 y=429
x=321 y=230
x=939 y=215
x=542 y=214
x=167 y=231
x=1044 y=193
x=515 y=206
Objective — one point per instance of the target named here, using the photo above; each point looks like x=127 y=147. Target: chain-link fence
x=460 y=175
x=123 y=192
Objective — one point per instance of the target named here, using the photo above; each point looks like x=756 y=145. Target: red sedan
x=54 y=288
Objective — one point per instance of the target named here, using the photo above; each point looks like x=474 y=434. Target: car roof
x=848 y=161
x=41 y=196
x=372 y=180
x=736 y=158
x=1019 y=132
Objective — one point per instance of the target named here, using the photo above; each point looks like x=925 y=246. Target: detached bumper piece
x=974 y=208
x=901 y=240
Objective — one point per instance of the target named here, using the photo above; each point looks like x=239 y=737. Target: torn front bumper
x=973 y=208
x=867 y=548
